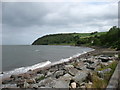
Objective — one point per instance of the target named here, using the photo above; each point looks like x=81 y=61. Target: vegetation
x=102 y=83
x=105 y=39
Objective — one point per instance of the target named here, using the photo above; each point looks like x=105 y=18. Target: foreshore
x=73 y=73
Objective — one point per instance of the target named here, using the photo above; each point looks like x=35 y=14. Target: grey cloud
x=24 y=22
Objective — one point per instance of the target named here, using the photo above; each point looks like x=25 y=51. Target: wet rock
x=80 y=77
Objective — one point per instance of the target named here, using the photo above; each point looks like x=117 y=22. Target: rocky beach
x=76 y=73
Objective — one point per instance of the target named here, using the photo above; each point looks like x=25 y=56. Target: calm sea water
x=16 y=56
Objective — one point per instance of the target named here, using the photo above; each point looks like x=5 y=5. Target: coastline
x=47 y=64
x=33 y=73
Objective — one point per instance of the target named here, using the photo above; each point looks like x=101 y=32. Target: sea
x=18 y=59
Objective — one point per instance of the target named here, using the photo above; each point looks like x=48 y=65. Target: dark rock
x=7 y=81
x=13 y=76
x=21 y=84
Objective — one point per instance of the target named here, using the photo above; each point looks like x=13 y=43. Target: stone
x=60 y=84
x=102 y=73
x=73 y=85
x=49 y=74
x=69 y=66
x=57 y=74
x=26 y=85
x=33 y=86
x=20 y=84
x=107 y=70
x=91 y=67
x=2 y=87
x=72 y=71
x=79 y=65
x=6 y=81
x=46 y=82
x=80 y=77
x=66 y=77
x=14 y=77
x=31 y=81
x=104 y=58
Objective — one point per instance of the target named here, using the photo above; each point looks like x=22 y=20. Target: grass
x=40 y=78
x=102 y=83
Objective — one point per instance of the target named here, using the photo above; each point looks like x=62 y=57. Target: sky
x=24 y=22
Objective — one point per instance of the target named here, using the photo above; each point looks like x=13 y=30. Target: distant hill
x=63 y=38
x=105 y=39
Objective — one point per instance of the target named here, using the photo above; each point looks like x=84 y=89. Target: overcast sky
x=24 y=22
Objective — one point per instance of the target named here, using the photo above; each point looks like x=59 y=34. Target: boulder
x=69 y=66
x=60 y=84
x=26 y=85
x=49 y=74
x=72 y=71
x=2 y=87
x=57 y=74
x=73 y=85
x=46 y=82
x=102 y=73
x=33 y=86
x=31 y=81
x=80 y=77
x=79 y=65
x=66 y=77
x=6 y=81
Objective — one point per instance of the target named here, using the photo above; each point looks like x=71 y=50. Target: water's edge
x=22 y=70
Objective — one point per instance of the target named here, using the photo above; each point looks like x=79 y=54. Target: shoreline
x=48 y=65
x=33 y=73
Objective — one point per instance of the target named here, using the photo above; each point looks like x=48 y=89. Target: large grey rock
x=79 y=65
x=49 y=74
x=72 y=71
x=69 y=66
x=80 y=76
x=33 y=86
x=26 y=85
x=57 y=74
x=102 y=73
x=8 y=86
x=46 y=82
x=66 y=77
x=60 y=84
